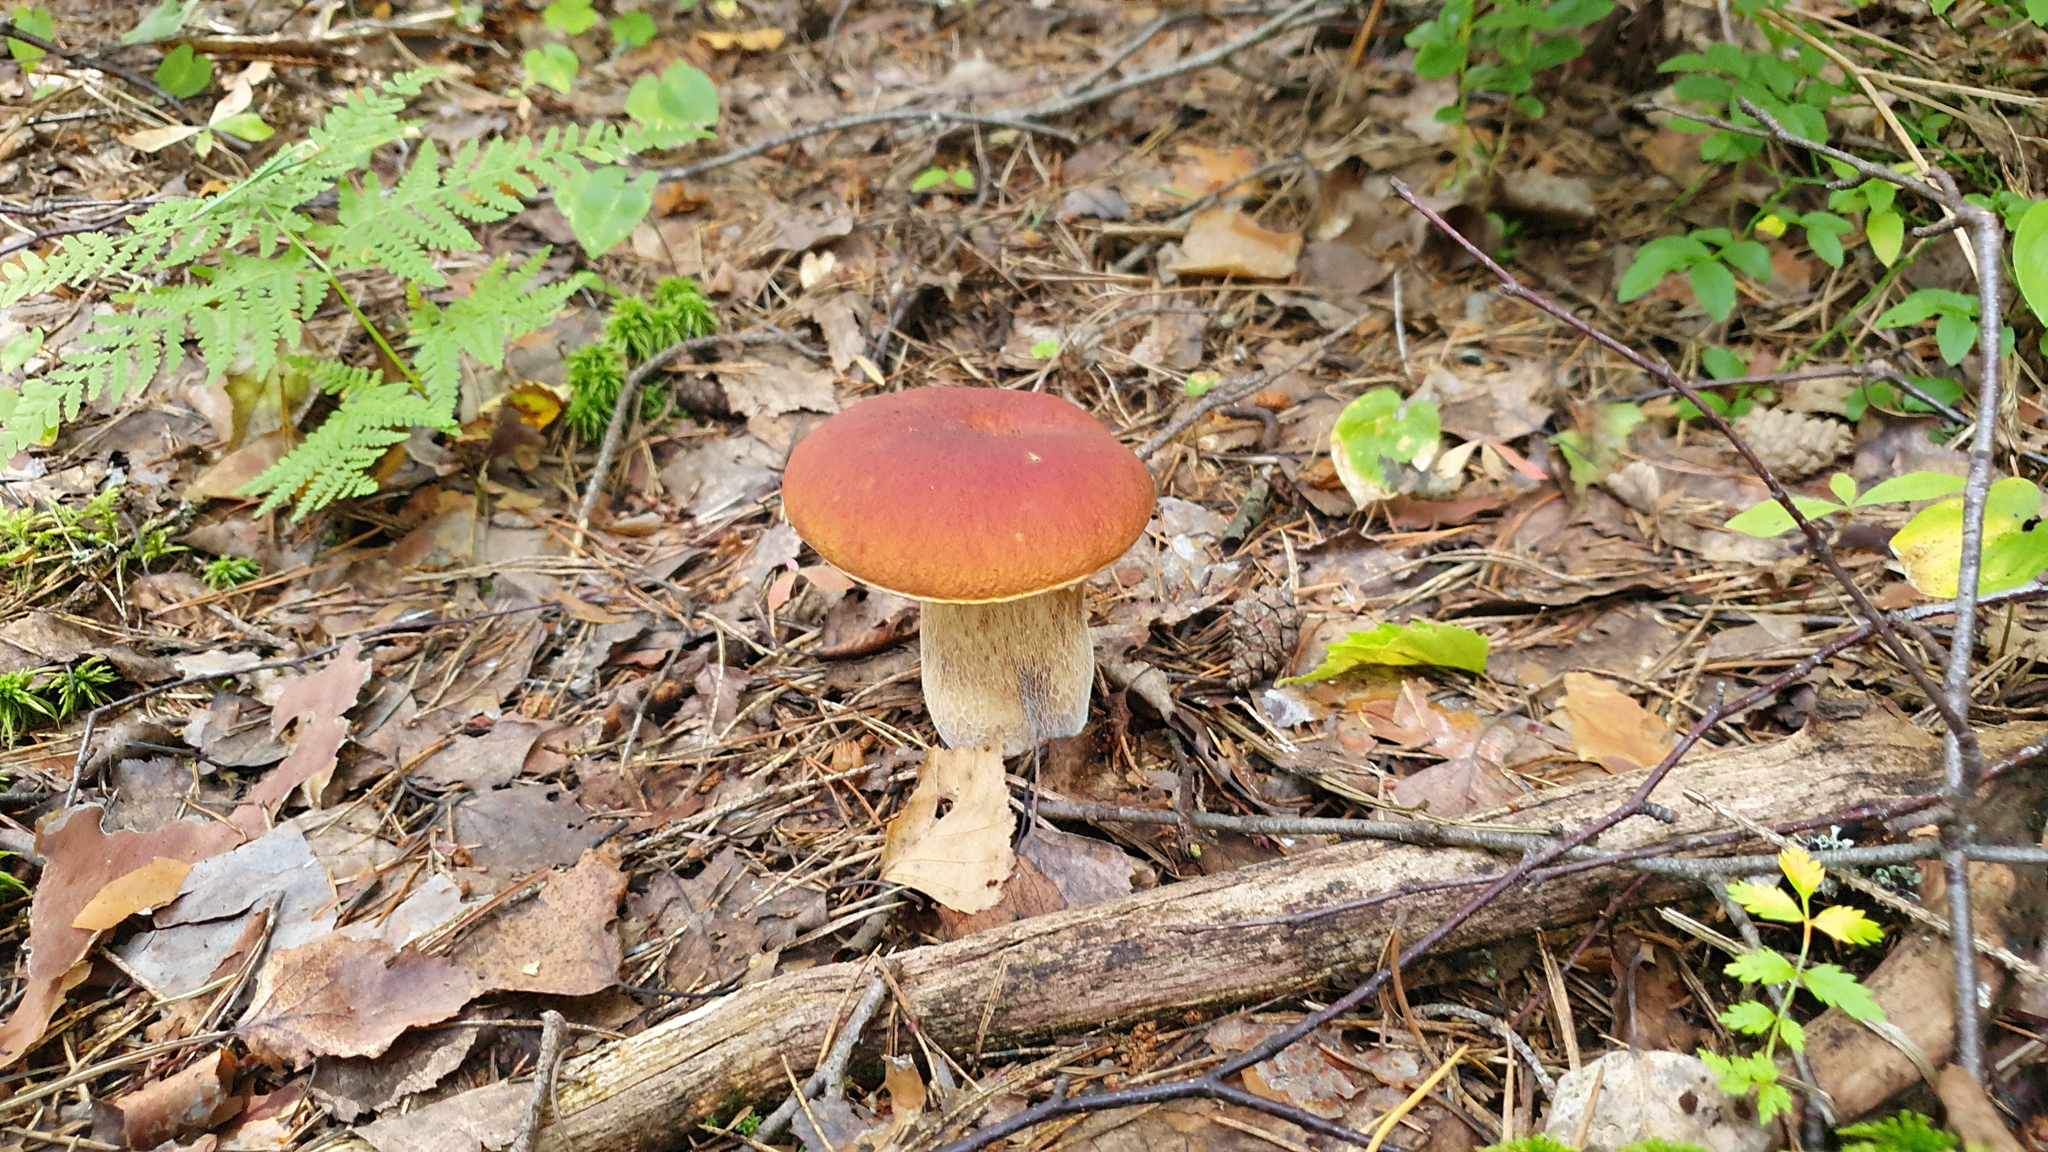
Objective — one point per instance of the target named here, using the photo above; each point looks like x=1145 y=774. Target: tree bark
x=1206 y=942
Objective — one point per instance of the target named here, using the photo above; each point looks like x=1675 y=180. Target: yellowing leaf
x=758 y=40
x=1609 y=728
x=1849 y=925
x=1801 y=869
x=1381 y=441
x=153 y=885
x=1930 y=546
x=1767 y=901
x=962 y=858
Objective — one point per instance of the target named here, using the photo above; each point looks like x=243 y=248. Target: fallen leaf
x=481 y=1118
x=756 y=40
x=153 y=885
x=320 y=702
x=560 y=942
x=344 y=997
x=179 y=1106
x=482 y=763
x=1609 y=728
x=1201 y=171
x=1226 y=242
x=729 y=922
x=1300 y=1074
x=962 y=858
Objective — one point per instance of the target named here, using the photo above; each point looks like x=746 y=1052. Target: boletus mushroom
x=991 y=507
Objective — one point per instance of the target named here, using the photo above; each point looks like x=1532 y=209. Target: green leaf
x=1925 y=305
x=1714 y=286
x=36 y=22
x=604 y=206
x=554 y=65
x=1762 y=966
x=18 y=350
x=246 y=125
x=1824 y=235
x=1766 y=901
x=632 y=29
x=1769 y=518
x=1801 y=870
x=1417 y=642
x=1792 y=1034
x=1913 y=486
x=1592 y=455
x=1528 y=106
x=928 y=179
x=1198 y=383
x=1908 y=1131
x=1837 y=989
x=573 y=17
x=1723 y=363
x=1376 y=435
x=1849 y=925
x=184 y=73
x=162 y=22
x=684 y=99
x=1771 y=1100
x=1955 y=335
x=1751 y=257
x=962 y=178
x=2030 y=259
x=1045 y=349
x=1886 y=231
x=1749 y=1016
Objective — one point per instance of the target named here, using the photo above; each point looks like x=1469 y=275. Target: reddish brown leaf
x=179 y=1106
x=321 y=703
x=343 y=997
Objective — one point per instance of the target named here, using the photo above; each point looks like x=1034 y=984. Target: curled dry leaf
x=321 y=703
x=1226 y=242
x=179 y=1106
x=961 y=858
x=1609 y=728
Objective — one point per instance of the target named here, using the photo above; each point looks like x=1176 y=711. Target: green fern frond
x=595 y=376
x=335 y=461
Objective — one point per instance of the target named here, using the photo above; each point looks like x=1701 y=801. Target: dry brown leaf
x=962 y=858
x=343 y=997
x=560 y=943
x=179 y=1106
x=153 y=885
x=1200 y=171
x=1609 y=728
x=756 y=40
x=79 y=860
x=1226 y=242
x=321 y=703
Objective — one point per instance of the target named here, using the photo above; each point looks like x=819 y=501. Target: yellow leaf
x=153 y=885
x=962 y=858
x=1849 y=925
x=758 y=40
x=1801 y=869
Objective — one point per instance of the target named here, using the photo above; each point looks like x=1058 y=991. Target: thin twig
x=543 y=1080
x=1223 y=397
x=833 y=1068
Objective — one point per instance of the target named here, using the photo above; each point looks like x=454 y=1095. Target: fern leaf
x=335 y=461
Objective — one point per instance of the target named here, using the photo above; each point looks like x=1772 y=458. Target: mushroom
x=991 y=507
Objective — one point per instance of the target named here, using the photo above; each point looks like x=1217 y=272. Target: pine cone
x=1792 y=445
x=1264 y=627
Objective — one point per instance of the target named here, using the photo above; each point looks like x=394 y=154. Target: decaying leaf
x=560 y=942
x=961 y=858
x=321 y=703
x=344 y=997
x=1609 y=728
x=179 y=1106
x=1226 y=242
x=151 y=886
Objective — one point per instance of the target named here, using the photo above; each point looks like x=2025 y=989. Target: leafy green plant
x=1769 y=968
x=1709 y=257
x=1888 y=397
x=1045 y=349
x=1769 y=518
x=1883 y=226
x=1198 y=384
x=1908 y=1131
x=241 y=271
x=36 y=22
x=1592 y=452
x=2015 y=547
x=944 y=179
x=1502 y=50
x=184 y=73
x=1954 y=315
x=1725 y=364
x=552 y=64
x=79 y=686
x=636 y=330
x=1417 y=642
x=21 y=706
x=224 y=572
x=1786 y=82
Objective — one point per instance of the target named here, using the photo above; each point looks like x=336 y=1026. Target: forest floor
x=501 y=766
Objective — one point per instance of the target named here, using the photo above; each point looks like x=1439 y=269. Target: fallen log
x=1211 y=941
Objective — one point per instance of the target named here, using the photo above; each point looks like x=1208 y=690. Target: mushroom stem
x=1014 y=673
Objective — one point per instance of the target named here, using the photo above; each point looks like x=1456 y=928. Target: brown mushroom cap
x=971 y=495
